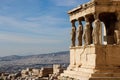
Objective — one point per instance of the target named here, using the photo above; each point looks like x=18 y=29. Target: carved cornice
x=93 y=4
x=82 y=7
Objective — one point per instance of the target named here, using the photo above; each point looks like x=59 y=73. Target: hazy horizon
x=35 y=26
x=30 y=54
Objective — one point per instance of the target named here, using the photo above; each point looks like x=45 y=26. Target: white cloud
x=44 y=24
x=8 y=37
x=65 y=2
x=13 y=22
x=14 y=43
x=47 y=21
x=69 y=2
x=48 y=29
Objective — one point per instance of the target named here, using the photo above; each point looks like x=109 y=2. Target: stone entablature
x=93 y=7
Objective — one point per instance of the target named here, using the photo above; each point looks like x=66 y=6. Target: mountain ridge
x=15 y=62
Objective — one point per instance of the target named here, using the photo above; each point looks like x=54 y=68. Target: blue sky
x=35 y=26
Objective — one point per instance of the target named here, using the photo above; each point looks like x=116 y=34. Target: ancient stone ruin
x=95 y=42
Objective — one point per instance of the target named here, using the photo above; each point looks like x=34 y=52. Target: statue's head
x=73 y=23
x=96 y=16
x=86 y=19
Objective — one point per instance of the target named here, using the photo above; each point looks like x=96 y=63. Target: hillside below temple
x=95 y=55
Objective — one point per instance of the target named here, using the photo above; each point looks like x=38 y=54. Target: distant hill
x=14 y=63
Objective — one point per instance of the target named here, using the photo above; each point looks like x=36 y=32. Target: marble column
x=87 y=32
x=79 y=33
x=117 y=29
x=73 y=33
x=117 y=25
x=97 y=31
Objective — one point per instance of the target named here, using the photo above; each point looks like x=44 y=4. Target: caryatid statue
x=79 y=33
x=117 y=30
x=87 y=32
x=97 y=31
x=117 y=36
x=73 y=34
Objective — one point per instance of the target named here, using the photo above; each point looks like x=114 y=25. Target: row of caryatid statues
x=89 y=35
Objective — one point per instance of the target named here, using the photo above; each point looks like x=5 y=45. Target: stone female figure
x=73 y=36
x=86 y=34
x=96 y=34
x=79 y=33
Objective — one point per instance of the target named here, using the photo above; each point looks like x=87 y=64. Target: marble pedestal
x=93 y=62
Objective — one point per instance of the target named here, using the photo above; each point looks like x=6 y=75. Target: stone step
x=106 y=78
x=76 y=74
x=85 y=76
x=106 y=75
